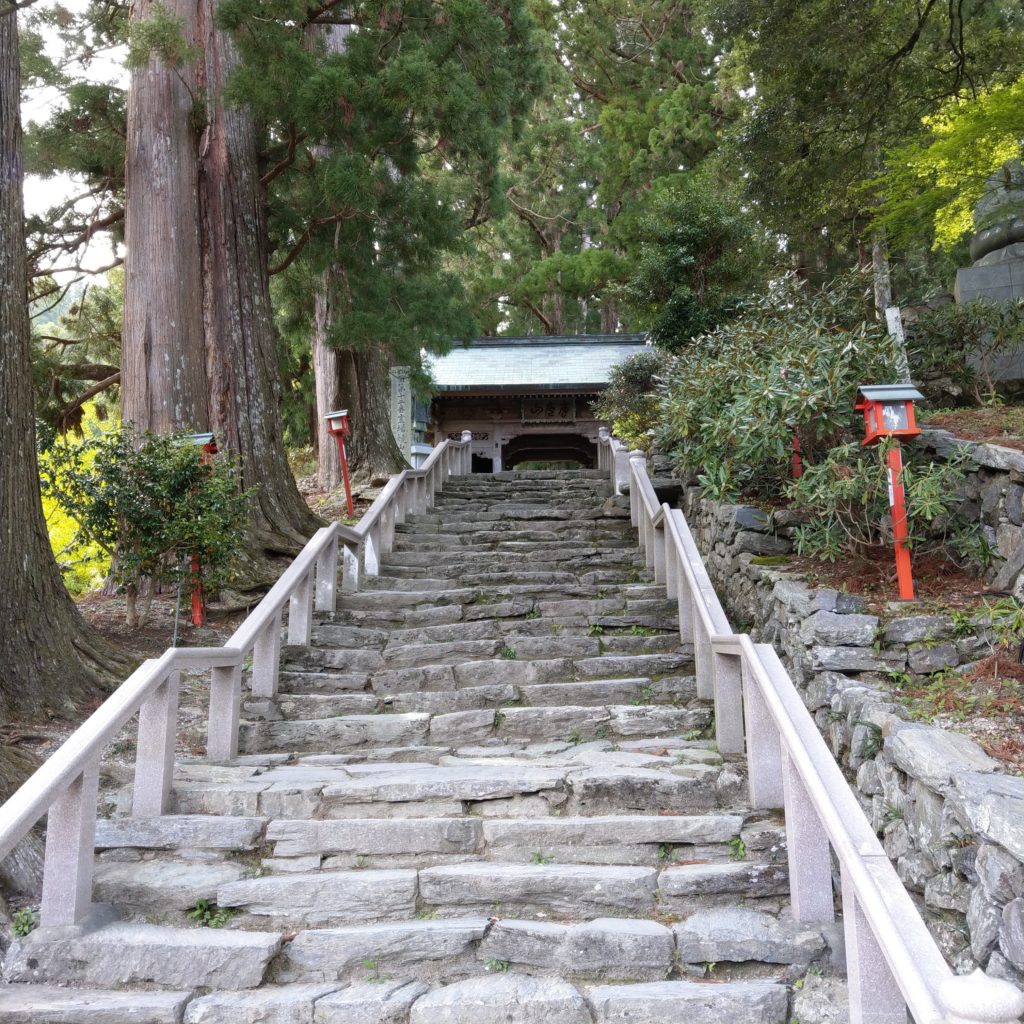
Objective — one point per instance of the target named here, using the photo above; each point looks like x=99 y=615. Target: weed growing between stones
x=539 y=857
x=498 y=966
x=209 y=915
x=24 y=921
x=737 y=848
x=508 y=653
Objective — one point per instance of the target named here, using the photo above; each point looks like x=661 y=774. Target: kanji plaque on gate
x=549 y=410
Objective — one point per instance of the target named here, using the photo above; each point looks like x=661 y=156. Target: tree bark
x=164 y=356
x=48 y=655
x=244 y=377
x=881 y=273
x=365 y=382
x=327 y=379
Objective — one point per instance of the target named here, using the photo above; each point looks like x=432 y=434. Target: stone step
x=574 y=560
x=589 y=783
x=49 y=1004
x=651 y=840
x=688 y=1002
x=181 y=832
x=494 y=522
x=295 y=704
x=571 y=723
x=539 y=541
x=144 y=954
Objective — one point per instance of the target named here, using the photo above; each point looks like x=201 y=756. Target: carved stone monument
x=401 y=409
x=998 y=244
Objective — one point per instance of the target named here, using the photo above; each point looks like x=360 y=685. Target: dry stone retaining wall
x=951 y=821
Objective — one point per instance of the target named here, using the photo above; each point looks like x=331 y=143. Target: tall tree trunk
x=244 y=376
x=366 y=389
x=881 y=273
x=48 y=655
x=163 y=366
x=327 y=380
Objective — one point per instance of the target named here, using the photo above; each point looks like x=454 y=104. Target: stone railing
x=893 y=963
x=65 y=787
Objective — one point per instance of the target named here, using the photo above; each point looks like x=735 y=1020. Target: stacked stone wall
x=950 y=818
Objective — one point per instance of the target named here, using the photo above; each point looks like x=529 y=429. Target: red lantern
x=889 y=412
x=338 y=425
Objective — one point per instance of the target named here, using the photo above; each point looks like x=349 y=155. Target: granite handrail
x=65 y=786
x=893 y=963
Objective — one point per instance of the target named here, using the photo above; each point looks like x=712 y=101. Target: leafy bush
x=630 y=402
x=846 y=498
x=151 y=503
x=954 y=350
x=787 y=367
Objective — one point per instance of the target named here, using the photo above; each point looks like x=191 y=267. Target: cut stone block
x=161 y=884
x=133 y=954
x=329 y=954
x=275 y=1004
x=737 y=935
x=46 y=1004
x=369 y=837
x=569 y=890
x=384 y=1002
x=180 y=831
x=503 y=999
x=749 y=881
x=687 y=1002
x=326 y=897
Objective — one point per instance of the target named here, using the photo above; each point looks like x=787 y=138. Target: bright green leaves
x=161 y=34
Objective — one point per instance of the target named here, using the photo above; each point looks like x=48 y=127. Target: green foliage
x=152 y=503
x=162 y=34
x=630 y=401
x=953 y=349
x=508 y=653
x=24 y=921
x=737 y=848
x=701 y=251
x=498 y=966
x=846 y=499
x=935 y=182
x=788 y=365
x=209 y=915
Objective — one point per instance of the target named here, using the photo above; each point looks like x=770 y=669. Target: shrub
x=630 y=402
x=151 y=503
x=787 y=367
x=846 y=498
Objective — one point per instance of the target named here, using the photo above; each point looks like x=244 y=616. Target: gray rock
x=821 y=1000
x=502 y=999
x=1011 y=934
x=1001 y=875
x=983 y=921
x=384 y=1002
x=834 y=630
x=687 y=1002
x=750 y=517
x=329 y=954
x=1014 y=500
x=932 y=658
x=739 y=935
x=274 y=1004
x=947 y=891
x=993 y=807
x=132 y=954
x=846 y=659
x=915 y=628
x=934 y=755
x=760 y=544
x=748 y=880
x=45 y=1004
x=329 y=897
x=369 y=837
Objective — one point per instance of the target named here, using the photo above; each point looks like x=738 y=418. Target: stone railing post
x=266 y=658
x=603 y=448
x=300 y=612
x=620 y=468
x=154 y=750
x=467 y=452
x=222 y=723
x=371 y=550
x=70 y=852
x=810 y=860
x=764 y=751
x=637 y=461
x=327 y=578
x=658 y=551
x=349 y=568
x=728 y=687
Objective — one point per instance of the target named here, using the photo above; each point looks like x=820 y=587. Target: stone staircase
x=483 y=796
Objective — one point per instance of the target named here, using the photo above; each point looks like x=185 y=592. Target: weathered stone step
x=652 y=840
x=496 y=523
x=49 y=1004
x=510 y=788
x=292 y=703
x=688 y=1002
x=576 y=559
x=181 y=832
x=164 y=885
x=572 y=723
x=138 y=954
x=520 y=540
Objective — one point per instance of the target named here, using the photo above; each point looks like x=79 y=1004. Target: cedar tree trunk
x=163 y=366
x=244 y=377
x=326 y=375
x=47 y=653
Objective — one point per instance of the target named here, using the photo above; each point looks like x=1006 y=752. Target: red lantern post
x=338 y=425
x=889 y=412
x=207 y=445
